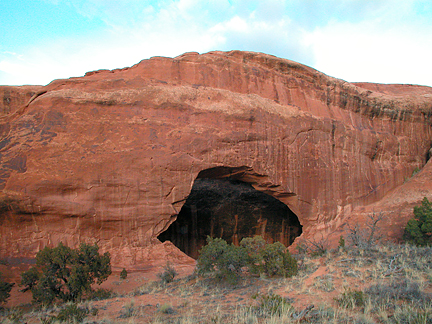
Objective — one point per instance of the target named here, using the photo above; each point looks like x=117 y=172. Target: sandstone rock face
x=111 y=157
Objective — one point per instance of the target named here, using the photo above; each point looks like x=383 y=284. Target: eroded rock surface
x=111 y=157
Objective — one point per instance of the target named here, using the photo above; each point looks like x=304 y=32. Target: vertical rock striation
x=112 y=156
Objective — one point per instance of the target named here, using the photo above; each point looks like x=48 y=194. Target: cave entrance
x=223 y=203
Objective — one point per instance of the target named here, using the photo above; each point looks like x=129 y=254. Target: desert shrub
x=368 y=236
x=254 y=247
x=227 y=261
x=66 y=274
x=71 y=313
x=123 y=274
x=271 y=305
x=224 y=261
x=351 y=299
x=278 y=261
x=418 y=230
x=315 y=247
x=168 y=274
x=271 y=259
x=5 y=289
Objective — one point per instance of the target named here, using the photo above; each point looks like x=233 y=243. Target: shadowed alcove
x=223 y=203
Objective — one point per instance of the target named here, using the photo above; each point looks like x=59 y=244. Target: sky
x=384 y=41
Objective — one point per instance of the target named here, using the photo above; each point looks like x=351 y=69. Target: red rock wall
x=110 y=157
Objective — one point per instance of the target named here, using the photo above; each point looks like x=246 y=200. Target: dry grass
x=387 y=284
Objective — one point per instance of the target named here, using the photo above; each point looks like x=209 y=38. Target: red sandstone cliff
x=111 y=157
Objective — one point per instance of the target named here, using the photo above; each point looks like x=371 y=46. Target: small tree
x=419 y=229
x=5 y=289
x=66 y=274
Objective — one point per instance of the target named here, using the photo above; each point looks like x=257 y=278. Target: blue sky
x=386 y=41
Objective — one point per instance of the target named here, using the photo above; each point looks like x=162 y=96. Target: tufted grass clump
x=71 y=313
x=271 y=305
x=13 y=315
x=166 y=309
x=404 y=289
x=168 y=274
x=129 y=309
x=351 y=299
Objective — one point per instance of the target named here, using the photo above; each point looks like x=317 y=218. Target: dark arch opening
x=222 y=205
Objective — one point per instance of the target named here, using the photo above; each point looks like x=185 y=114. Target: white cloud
x=235 y=24
x=367 y=51
x=281 y=37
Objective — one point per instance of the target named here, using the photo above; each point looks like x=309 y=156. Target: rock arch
x=232 y=203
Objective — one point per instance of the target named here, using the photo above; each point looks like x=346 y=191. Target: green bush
x=254 y=247
x=418 y=230
x=5 y=289
x=227 y=261
x=271 y=259
x=278 y=261
x=123 y=274
x=65 y=274
x=224 y=261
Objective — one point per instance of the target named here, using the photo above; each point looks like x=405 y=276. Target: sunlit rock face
x=112 y=156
